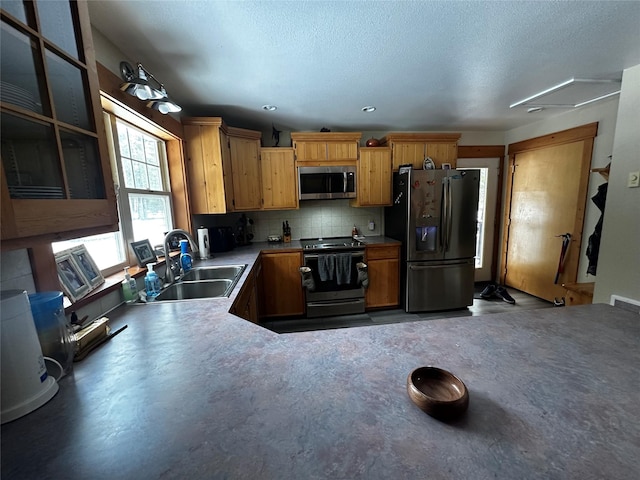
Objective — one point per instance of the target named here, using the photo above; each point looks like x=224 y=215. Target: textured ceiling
x=448 y=65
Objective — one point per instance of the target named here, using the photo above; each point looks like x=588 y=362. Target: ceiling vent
x=573 y=93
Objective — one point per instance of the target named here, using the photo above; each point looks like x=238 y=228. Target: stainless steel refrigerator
x=434 y=215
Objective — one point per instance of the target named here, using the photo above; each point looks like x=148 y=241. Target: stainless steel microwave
x=316 y=183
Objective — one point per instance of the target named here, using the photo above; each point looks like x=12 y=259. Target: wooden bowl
x=438 y=392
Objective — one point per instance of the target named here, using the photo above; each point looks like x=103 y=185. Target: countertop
x=191 y=391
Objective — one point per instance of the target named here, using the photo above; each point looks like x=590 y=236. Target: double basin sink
x=203 y=282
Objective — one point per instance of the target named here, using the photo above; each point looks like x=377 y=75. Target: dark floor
x=480 y=307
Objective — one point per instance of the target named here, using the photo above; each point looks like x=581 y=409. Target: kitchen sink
x=224 y=272
x=191 y=290
x=203 y=282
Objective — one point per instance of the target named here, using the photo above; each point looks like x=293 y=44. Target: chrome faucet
x=169 y=275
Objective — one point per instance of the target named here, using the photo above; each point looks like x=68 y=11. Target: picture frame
x=446 y=166
x=87 y=266
x=144 y=252
x=74 y=284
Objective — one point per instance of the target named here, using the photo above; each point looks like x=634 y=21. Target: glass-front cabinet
x=56 y=177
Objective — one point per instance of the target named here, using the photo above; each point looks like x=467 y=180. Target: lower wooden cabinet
x=384 y=276
x=282 y=286
x=246 y=303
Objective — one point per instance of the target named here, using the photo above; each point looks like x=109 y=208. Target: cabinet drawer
x=385 y=251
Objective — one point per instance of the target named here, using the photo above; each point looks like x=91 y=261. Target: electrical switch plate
x=633 y=180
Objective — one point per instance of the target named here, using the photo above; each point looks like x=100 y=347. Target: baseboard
x=625 y=303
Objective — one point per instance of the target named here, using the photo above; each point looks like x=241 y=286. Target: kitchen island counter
x=191 y=391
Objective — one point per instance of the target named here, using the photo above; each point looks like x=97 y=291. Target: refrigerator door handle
x=435 y=267
x=447 y=207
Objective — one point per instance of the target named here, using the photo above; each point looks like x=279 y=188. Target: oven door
x=329 y=297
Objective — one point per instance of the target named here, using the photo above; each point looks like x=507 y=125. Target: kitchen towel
x=326 y=267
x=343 y=268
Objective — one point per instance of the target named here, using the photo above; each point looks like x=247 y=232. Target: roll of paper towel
x=203 y=243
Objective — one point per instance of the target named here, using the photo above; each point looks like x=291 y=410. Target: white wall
x=619 y=261
x=603 y=112
x=15 y=271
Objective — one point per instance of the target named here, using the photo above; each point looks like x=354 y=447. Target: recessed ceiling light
x=269 y=108
x=369 y=108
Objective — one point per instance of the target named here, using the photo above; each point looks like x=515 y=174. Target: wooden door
x=245 y=171
x=279 y=186
x=547 y=193
x=282 y=285
x=374 y=177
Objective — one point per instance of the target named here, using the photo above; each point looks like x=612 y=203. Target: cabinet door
x=384 y=276
x=204 y=167
x=279 y=181
x=374 y=177
x=225 y=155
x=245 y=171
x=56 y=172
x=408 y=153
x=310 y=151
x=246 y=305
x=281 y=283
x=443 y=153
x=342 y=151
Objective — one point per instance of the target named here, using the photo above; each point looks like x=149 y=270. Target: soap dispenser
x=186 y=262
x=152 y=283
x=129 y=287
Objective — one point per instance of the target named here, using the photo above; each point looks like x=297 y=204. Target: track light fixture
x=140 y=86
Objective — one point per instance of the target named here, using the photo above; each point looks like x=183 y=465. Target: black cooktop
x=332 y=242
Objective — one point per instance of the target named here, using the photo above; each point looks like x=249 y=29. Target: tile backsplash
x=314 y=219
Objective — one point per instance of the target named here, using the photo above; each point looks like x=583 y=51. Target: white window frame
x=123 y=193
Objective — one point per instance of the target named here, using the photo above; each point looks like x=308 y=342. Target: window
x=139 y=165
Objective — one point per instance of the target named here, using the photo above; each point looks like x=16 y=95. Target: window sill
x=111 y=283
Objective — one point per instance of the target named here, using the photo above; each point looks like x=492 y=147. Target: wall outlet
x=633 y=180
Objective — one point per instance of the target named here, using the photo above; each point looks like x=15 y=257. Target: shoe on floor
x=488 y=292
x=502 y=293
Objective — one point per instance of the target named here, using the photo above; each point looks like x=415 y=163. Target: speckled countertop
x=190 y=391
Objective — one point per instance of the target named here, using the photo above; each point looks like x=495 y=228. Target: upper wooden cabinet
x=245 y=168
x=222 y=166
x=279 y=180
x=412 y=148
x=321 y=148
x=55 y=179
x=373 y=178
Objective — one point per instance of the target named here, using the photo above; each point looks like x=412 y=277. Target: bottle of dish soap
x=186 y=262
x=129 y=287
x=354 y=232
x=152 y=283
